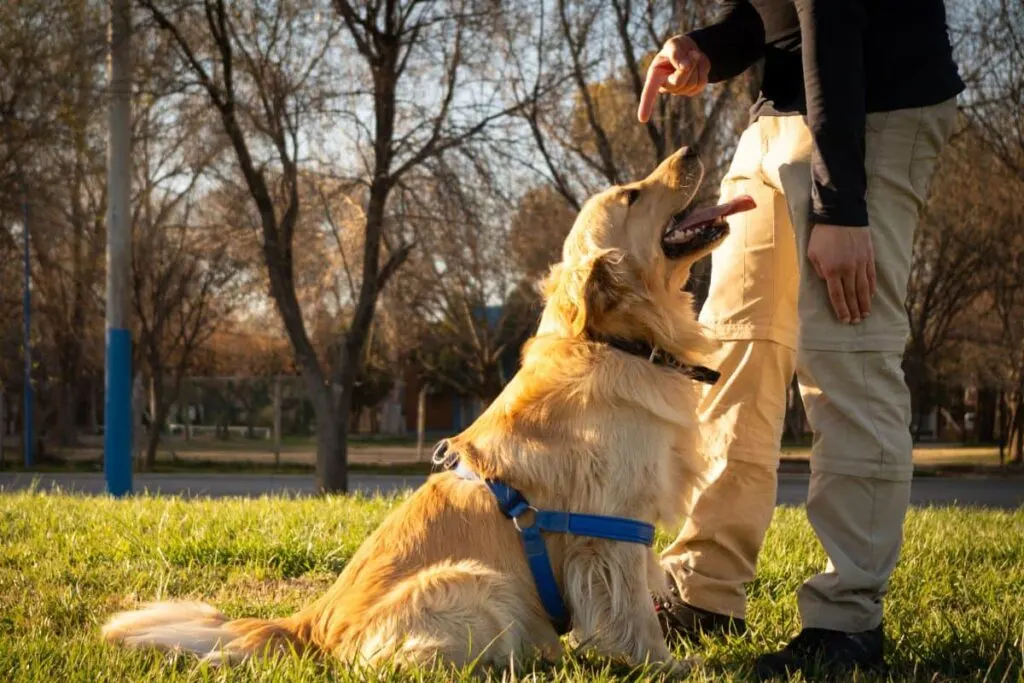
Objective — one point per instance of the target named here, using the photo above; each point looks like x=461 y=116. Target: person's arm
x=839 y=248
x=687 y=63
x=832 y=43
x=734 y=42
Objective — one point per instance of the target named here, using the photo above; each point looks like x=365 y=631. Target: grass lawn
x=956 y=610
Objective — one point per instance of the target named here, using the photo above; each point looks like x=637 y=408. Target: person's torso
x=908 y=59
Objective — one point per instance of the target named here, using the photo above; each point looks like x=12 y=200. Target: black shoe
x=683 y=621
x=836 y=652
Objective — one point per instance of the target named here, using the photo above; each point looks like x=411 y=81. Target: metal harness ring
x=529 y=509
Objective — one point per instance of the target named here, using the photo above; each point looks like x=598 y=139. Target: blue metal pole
x=28 y=431
x=117 y=434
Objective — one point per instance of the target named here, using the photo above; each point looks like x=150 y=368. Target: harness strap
x=514 y=505
x=530 y=522
x=596 y=526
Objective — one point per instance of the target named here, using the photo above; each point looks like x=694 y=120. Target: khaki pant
x=772 y=313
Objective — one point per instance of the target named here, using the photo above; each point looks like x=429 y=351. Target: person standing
x=857 y=99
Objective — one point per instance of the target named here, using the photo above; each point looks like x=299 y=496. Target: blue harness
x=514 y=506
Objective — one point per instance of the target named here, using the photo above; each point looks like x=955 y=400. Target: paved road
x=997 y=492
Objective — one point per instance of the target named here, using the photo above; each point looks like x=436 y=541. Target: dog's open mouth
x=688 y=233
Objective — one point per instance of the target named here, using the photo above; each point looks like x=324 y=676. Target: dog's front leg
x=606 y=586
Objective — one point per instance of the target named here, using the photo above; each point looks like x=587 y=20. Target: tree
x=1008 y=299
x=51 y=150
x=580 y=83
x=539 y=227
x=989 y=38
x=601 y=51
x=39 y=70
x=266 y=69
x=182 y=279
x=967 y=282
x=951 y=265
x=989 y=41
x=463 y=285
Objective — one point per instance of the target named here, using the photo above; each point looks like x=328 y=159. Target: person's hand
x=844 y=258
x=679 y=69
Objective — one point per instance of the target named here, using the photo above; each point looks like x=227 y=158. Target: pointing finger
x=657 y=75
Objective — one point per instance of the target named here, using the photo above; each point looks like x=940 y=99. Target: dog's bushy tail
x=202 y=630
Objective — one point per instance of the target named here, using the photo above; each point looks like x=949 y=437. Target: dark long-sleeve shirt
x=834 y=61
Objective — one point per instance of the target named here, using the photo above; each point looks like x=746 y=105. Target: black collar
x=698 y=373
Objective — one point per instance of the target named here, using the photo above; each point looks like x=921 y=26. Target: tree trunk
x=331 y=439
x=924 y=406
x=158 y=406
x=421 y=421
x=331 y=415
x=1003 y=427
x=336 y=471
x=965 y=433
x=795 y=415
x=250 y=418
x=138 y=440
x=277 y=422
x=95 y=399
x=67 y=433
x=1015 y=437
x=186 y=398
x=913 y=372
x=333 y=411
x=3 y=424
x=18 y=418
x=985 y=418
x=154 y=393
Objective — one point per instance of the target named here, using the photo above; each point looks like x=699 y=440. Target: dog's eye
x=632 y=196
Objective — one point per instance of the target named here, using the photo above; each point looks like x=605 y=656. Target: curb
x=803 y=466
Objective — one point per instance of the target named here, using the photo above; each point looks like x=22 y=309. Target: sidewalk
x=994 y=492
x=927 y=458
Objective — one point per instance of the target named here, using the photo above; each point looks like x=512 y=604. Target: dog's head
x=628 y=256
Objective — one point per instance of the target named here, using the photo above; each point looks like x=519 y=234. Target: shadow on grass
x=909 y=657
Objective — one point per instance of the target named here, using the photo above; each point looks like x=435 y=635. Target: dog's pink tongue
x=711 y=213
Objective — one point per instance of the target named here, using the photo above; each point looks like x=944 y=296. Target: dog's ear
x=604 y=286
x=581 y=294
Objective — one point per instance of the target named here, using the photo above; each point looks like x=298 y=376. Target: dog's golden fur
x=582 y=427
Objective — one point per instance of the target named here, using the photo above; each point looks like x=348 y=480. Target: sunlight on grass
x=955 y=612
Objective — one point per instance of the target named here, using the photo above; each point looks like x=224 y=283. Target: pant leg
x=856 y=506
x=853 y=386
x=715 y=554
x=751 y=310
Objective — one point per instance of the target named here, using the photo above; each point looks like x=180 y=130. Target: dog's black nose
x=691 y=152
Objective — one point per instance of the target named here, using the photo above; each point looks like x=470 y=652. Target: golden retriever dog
x=594 y=422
